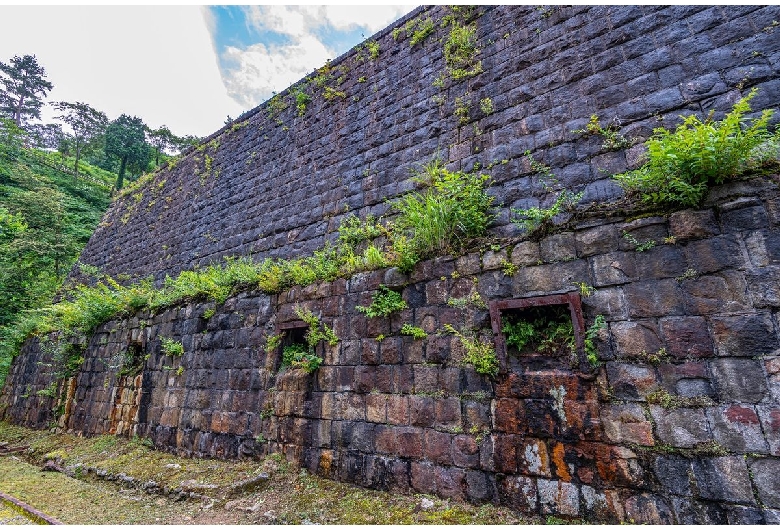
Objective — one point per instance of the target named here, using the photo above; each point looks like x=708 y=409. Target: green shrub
x=299 y=356
x=545 y=330
x=683 y=164
x=480 y=352
x=171 y=347
x=413 y=331
x=384 y=302
x=452 y=211
x=591 y=333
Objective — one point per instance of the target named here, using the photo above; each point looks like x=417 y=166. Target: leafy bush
x=590 y=337
x=172 y=347
x=683 y=164
x=452 y=211
x=384 y=302
x=413 y=331
x=299 y=356
x=480 y=352
x=544 y=330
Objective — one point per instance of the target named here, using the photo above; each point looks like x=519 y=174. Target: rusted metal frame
x=571 y=299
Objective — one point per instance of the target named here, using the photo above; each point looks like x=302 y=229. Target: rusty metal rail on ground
x=28 y=511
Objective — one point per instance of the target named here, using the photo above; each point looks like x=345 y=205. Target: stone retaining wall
x=695 y=316
x=680 y=421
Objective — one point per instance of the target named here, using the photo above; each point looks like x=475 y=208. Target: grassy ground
x=290 y=495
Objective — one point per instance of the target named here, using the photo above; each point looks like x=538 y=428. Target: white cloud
x=154 y=62
x=253 y=73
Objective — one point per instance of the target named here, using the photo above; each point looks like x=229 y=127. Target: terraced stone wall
x=276 y=183
x=680 y=421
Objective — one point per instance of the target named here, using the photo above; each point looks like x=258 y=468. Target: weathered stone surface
x=765 y=473
x=613 y=269
x=680 y=427
x=626 y=424
x=636 y=339
x=559 y=247
x=744 y=335
x=596 y=240
x=630 y=381
x=648 y=509
x=723 y=478
x=764 y=286
x=739 y=380
x=556 y=496
x=687 y=337
x=737 y=428
x=693 y=224
x=654 y=298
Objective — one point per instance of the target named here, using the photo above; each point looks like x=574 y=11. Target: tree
x=126 y=141
x=161 y=139
x=24 y=88
x=86 y=122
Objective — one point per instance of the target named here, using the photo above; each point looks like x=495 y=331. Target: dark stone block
x=765 y=473
x=744 y=335
x=739 y=380
x=723 y=478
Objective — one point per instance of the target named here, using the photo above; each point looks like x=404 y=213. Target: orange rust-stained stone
x=557 y=456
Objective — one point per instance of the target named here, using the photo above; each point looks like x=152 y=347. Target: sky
x=186 y=67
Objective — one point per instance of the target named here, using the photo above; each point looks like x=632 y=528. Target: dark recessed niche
x=539 y=333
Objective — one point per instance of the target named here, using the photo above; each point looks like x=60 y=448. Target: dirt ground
x=112 y=480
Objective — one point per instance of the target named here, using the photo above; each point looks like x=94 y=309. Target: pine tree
x=24 y=87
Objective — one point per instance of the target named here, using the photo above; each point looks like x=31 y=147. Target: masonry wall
x=679 y=423
x=696 y=317
x=278 y=184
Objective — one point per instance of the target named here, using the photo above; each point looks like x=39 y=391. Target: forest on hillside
x=57 y=180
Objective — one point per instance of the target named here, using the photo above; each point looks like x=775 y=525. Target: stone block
x=723 y=478
x=614 y=268
x=635 y=339
x=626 y=424
x=770 y=423
x=551 y=277
x=764 y=286
x=687 y=337
x=737 y=428
x=721 y=293
x=739 y=380
x=654 y=298
x=596 y=240
x=526 y=253
x=618 y=466
x=397 y=409
x=423 y=477
x=465 y=451
x=438 y=447
x=665 y=261
x=450 y=482
x=559 y=247
x=448 y=413
x=673 y=473
x=648 y=509
x=690 y=512
x=422 y=411
x=558 y=497
x=533 y=458
x=736 y=219
x=765 y=473
x=763 y=248
x=480 y=487
x=744 y=335
x=693 y=224
x=629 y=381
x=744 y=515
x=684 y=427
x=409 y=441
x=376 y=408
x=517 y=492
x=712 y=255
x=494 y=260
x=689 y=379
